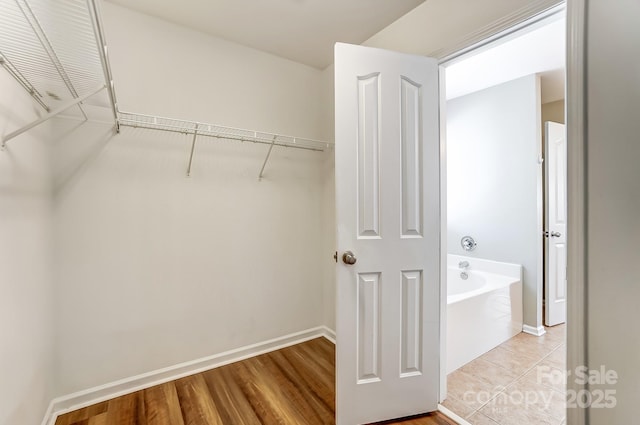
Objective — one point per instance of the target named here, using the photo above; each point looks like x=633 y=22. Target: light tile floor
x=520 y=382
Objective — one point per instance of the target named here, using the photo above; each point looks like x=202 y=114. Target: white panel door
x=556 y=219
x=388 y=215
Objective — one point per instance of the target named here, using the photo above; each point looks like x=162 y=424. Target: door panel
x=388 y=215
x=368 y=327
x=369 y=156
x=411 y=158
x=411 y=344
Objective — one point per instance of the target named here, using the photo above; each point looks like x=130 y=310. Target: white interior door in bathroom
x=388 y=220
x=556 y=219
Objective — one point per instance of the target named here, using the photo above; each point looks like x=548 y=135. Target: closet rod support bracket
x=264 y=164
x=193 y=147
x=96 y=22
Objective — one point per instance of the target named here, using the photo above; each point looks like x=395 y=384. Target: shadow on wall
x=75 y=145
x=24 y=412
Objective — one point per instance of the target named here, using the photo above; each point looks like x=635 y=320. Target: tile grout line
x=520 y=376
x=516 y=380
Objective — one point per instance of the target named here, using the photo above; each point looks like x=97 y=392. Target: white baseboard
x=78 y=400
x=539 y=331
x=451 y=415
x=49 y=416
x=329 y=333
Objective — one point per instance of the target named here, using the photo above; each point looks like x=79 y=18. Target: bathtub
x=484 y=310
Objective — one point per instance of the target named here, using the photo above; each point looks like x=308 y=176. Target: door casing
x=576 y=155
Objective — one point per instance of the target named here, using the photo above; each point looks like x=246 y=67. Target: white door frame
x=575 y=121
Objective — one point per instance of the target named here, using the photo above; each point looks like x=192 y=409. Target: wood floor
x=294 y=385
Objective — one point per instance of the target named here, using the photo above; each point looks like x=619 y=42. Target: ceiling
x=300 y=30
x=539 y=51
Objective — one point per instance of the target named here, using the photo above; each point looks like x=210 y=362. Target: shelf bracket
x=48 y=116
x=193 y=148
x=264 y=164
x=96 y=21
x=17 y=75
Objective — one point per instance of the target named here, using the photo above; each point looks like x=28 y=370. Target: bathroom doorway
x=503 y=364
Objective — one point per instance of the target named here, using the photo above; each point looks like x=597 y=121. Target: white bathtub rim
x=488 y=266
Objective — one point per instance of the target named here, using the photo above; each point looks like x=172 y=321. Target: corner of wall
x=26 y=307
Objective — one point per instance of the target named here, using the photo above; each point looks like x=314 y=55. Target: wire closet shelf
x=57 y=52
x=129 y=119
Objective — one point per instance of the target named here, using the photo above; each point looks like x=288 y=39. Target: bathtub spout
x=463 y=265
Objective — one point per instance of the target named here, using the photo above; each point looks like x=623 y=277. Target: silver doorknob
x=556 y=234
x=349 y=258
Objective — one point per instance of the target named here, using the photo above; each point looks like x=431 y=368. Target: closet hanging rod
x=128 y=119
x=48 y=116
x=125 y=123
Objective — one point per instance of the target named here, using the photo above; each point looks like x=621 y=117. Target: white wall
x=328 y=201
x=553 y=111
x=441 y=24
x=613 y=188
x=493 y=145
x=164 y=69
x=328 y=243
x=154 y=268
x=26 y=345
